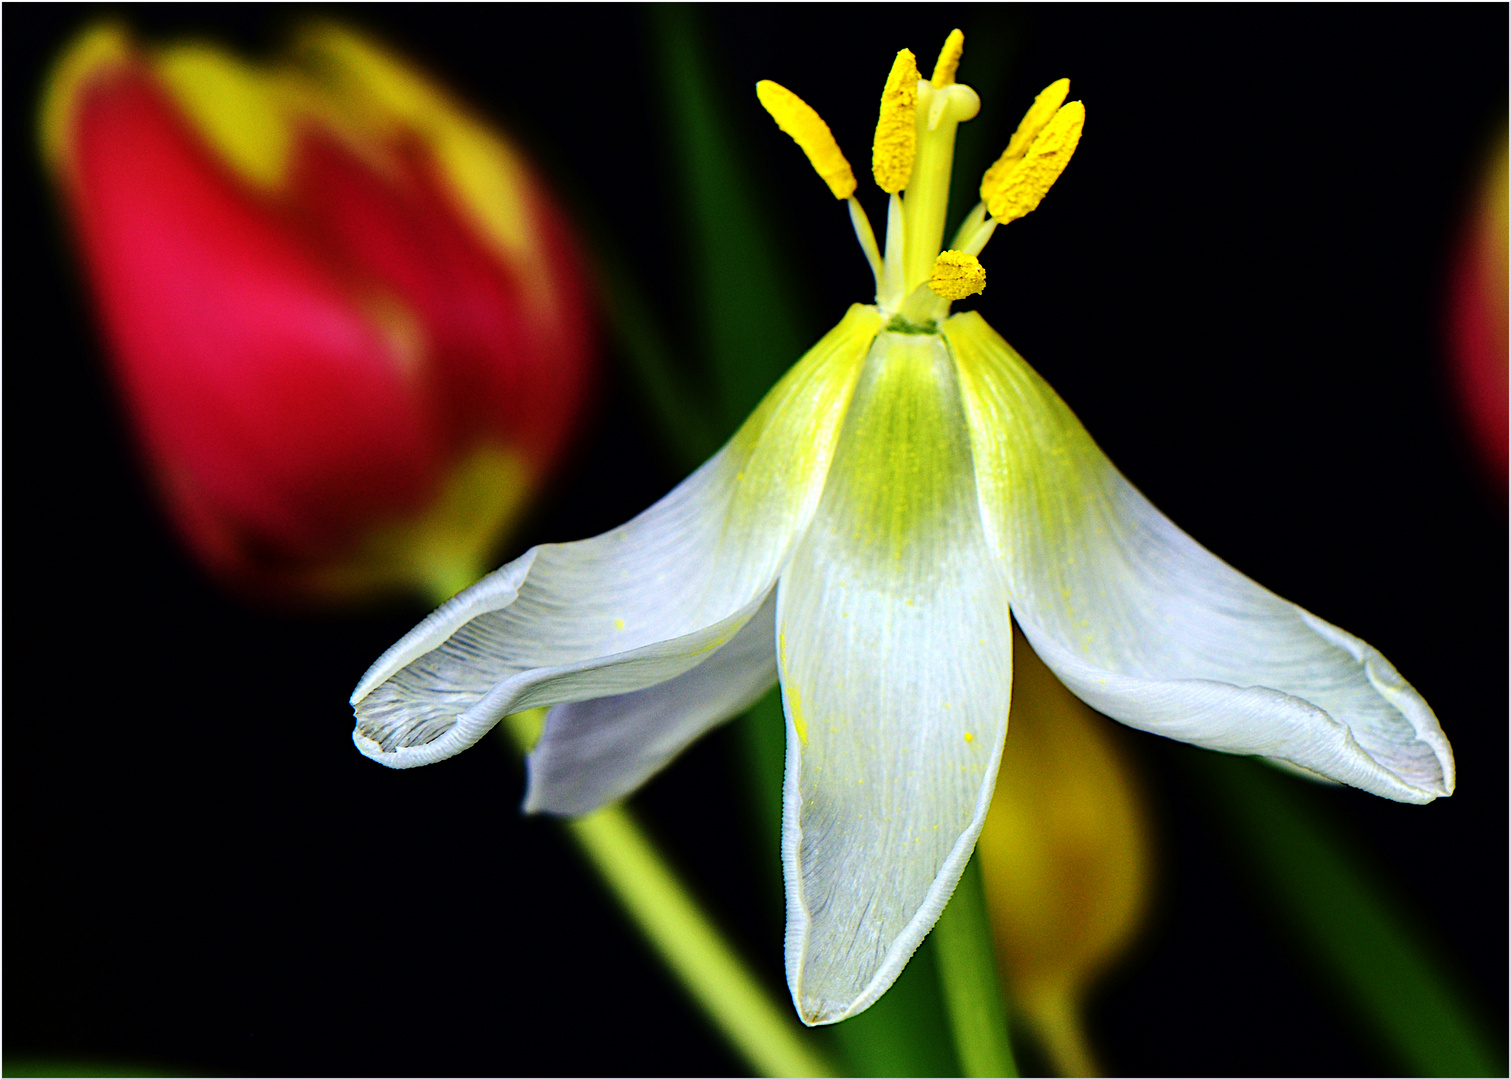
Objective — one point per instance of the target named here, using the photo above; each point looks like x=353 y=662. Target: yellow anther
x=896 y=134
x=1038 y=115
x=949 y=60
x=957 y=275
x=797 y=118
x=1018 y=189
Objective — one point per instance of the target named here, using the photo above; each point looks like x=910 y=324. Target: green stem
x=968 y=976
x=687 y=940
x=907 y=1031
x=746 y=304
x=1366 y=946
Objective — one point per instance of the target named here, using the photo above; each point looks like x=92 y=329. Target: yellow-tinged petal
x=949 y=60
x=97 y=50
x=633 y=607
x=798 y=119
x=1150 y=628
x=957 y=275
x=1019 y=189
x=895 y=633
x=896 y=140
x=234 y=106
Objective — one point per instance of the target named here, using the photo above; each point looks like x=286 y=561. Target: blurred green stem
x=746 y=307
x=968 y=976
x=1366 y=946
x=681 y=415
x=688 y=942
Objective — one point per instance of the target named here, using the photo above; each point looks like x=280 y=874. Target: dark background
x=1238 y=285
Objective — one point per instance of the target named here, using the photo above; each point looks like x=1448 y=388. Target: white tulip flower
x=867 y=537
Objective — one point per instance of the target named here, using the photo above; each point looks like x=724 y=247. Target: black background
x=1237 y=285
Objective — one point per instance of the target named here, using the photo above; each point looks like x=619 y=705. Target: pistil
x=926 y=199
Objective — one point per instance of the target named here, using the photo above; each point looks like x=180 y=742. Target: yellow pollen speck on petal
x=618 y=624
x=1018 y=190
x=791 y=694
x=957 y=275
x=798 y=119
x=969 y=737
x=949 y=60
x=896 y=141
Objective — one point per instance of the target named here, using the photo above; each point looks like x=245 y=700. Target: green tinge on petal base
x=895 y=648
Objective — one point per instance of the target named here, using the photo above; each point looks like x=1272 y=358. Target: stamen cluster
x=911 y=158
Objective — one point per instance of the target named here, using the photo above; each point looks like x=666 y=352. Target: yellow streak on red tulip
x=236 y=107
x=449 y=545
x=487 y=176
x=99 y=50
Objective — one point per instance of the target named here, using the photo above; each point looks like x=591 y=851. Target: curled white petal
x=593 y=752
x=636 y=606
x=895 y=647
x=1149 y=627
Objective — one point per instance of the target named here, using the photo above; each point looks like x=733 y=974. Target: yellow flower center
x=911 y=159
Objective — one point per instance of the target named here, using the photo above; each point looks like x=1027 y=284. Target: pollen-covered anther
x=1018 y=189
x=798 y=119
x=1040 y=114
x=957 y=275
x=896 y=141
x=949 y=60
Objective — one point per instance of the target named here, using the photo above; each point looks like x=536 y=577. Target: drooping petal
x=593 y=752
x=895 y=646
x=1146 y=625
x=633 y=607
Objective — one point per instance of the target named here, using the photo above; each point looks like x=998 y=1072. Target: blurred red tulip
x=1477 y=323
x=350 y=326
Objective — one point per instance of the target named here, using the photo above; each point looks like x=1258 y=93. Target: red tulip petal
x=270 y=398
x=506 y=371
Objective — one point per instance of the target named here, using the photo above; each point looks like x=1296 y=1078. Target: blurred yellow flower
x=1066 y=858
